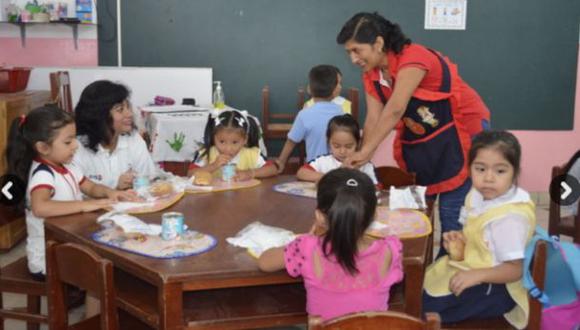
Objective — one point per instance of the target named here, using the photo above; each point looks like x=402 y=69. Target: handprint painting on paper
x=177 y=142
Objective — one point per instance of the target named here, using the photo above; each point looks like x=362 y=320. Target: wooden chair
x=177 y=168
x=15 y=278
x=277 y=125
x=79 y=266
x=394 y=176
x=538 y=269
x=559 y=225
x=397 y=177
x=60 y=90
x=351 y=95
x=376 y=320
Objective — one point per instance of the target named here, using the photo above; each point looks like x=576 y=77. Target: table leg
x=170 y=302
x=413 y=289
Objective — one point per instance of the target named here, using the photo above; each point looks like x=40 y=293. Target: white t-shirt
x=507 y=236
x=327 y=163
x=104 y=167
x=64 y=183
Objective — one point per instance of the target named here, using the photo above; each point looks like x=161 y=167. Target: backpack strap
x=527 y=279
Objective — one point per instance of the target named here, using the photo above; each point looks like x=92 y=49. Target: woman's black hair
x=40 y=125
x=346 y=123
x=504 y=142
x=366 y=27
x=232 y=119
x=571 y=162
x=347 y=198
x=93 y=112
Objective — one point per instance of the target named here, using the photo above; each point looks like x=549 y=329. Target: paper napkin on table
x=130 y=224
x=257 y=238
x=406 y=198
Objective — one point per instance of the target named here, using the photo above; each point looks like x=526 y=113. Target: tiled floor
x=19 y=251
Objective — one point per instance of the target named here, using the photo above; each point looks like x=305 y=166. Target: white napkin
x=405 y=199
x=130 y=224
x=257 y=238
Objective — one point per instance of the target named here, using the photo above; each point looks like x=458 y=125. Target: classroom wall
x=48 y=45
x=540 y=149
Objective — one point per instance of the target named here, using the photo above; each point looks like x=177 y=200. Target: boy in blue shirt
x=310 y=123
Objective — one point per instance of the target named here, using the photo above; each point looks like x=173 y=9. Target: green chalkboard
x=520 y=55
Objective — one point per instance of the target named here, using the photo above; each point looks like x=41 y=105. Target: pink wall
x=540 y=149
x=48 y=52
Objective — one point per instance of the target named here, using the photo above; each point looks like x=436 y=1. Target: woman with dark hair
x=111 y=150
x=418 y=92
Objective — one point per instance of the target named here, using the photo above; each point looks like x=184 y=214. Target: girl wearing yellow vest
x=481 y=277
x=232 y=137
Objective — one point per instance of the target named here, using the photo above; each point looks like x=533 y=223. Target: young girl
x=483 y=279
x=344 y=270
x=343 y=136
x=40 y=150
x=231 y=137
x=111 y=151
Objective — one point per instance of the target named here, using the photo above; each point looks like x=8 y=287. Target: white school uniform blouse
x=105 y=167
x=64 y=184
x=327 y=163
x=507 y=236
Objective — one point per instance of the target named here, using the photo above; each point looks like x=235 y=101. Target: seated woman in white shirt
x=111 y=151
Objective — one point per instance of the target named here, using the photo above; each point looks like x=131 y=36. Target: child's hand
x=95 y=204
x=126 y=180
x=221 y=160
x=244 y=175
x=280 y=165
x=462 y=280
x=451 y=236
x=127 y=195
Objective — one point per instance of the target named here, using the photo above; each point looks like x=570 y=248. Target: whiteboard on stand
x=144 y=82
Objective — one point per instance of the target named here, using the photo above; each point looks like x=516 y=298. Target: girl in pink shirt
x=344 y=270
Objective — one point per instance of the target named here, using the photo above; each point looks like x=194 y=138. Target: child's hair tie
x=352 y=183
x=217 y=121
x=22 y=120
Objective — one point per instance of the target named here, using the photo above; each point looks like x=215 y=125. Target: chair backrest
x=79 y=266
x=351 y=95
x=376 y=320
x=555 y=224
x=538 y=270
x=394 y=176
x=60 y=90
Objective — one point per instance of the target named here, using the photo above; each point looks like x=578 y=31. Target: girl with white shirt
x=481 y=278
x=111 y=150
x=42 y=145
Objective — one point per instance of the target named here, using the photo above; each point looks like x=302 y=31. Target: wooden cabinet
x=12 y=106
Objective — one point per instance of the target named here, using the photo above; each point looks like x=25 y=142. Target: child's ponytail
x=347 y=199
x=19 y=151
x=253 y=131
x=40 y=125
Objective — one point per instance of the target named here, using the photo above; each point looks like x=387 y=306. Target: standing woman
x=418 y=92
x=111 y=150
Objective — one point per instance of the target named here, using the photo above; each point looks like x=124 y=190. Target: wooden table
x=222 y=288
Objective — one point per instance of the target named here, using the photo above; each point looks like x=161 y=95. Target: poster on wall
x=445 y=14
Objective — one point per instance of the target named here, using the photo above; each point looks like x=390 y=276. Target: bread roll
x=161 y=188
x=202 y=178
x=456 y=250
